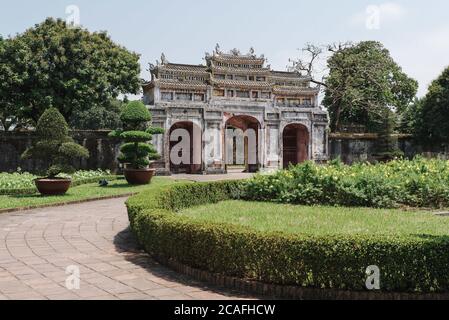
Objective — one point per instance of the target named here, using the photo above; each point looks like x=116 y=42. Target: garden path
x=37 y=246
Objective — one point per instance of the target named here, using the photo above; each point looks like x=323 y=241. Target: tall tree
x=363 y=81
x=429 y=119
x=73 y=70
x=13 y=59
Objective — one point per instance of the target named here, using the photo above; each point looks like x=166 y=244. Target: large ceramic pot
x=139 y=176
x=52 y=186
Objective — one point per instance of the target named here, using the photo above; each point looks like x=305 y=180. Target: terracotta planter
x=52 y=186
x=139 y=176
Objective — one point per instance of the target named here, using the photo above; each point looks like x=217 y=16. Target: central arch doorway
x=295 y=139
x=188 y=144
x=242 y=144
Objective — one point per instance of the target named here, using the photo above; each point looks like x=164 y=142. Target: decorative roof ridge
x=184 y=65
x=289 y=74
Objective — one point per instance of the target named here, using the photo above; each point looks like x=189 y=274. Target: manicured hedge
x=407 y=264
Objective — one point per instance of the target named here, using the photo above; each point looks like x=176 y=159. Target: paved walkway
x=37 y=246
x=212 y=177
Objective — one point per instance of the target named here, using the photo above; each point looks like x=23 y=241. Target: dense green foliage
x=416 y=263
x=428 y=118
x=12 y=77
x=363 y=82
x=99 y=117
x=418 y=183
x=54 y=145
x=23 y=182
x=136 y=152
x=77 y=71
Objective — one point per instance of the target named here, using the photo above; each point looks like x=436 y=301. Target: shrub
x=415 y=183
x=136 y=152
x=407 y=263
x=23 y=182
x=54 y=145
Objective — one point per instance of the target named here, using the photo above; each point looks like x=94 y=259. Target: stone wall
x=357 y=147
x=103 y=151
x=350 y=147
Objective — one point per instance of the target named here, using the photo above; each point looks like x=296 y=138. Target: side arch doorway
x=295 y=140
x=185 y=145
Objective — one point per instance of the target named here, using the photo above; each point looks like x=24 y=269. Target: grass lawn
x=83 y=192
x=321 y=220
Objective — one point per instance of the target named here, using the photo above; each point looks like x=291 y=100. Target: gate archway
x=185 y=143
x=295 y=141
x=242 y=143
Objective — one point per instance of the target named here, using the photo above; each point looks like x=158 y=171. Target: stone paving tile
x=36 y=247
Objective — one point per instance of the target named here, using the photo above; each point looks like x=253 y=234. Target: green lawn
x=321 y=220
x=83 y=192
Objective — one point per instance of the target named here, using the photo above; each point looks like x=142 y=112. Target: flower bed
x=417 y=183
x=23 y=182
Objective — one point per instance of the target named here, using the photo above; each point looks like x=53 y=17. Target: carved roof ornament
x=163 y=59
x=217 y=49
x=235 y=52
x=152 y=66
x=251 y=51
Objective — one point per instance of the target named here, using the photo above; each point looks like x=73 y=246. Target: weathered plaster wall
x=357 y=147
x=103 y=151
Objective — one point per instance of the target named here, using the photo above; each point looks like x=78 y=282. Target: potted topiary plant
x=137 y=153
x=57 y=150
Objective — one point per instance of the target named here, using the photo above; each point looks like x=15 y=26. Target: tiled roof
x=289 y=75
x=183 y=67
x=245 y=59
x=247 y=71
x=174 y=84
x=241 y=83
x=289 y=90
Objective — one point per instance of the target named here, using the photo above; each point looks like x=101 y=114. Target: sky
x=415 y=31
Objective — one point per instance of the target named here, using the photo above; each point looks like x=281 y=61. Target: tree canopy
x=428 y=118
x=363 y=82
x=70 y=68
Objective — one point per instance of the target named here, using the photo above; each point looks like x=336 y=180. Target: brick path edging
x=274 y=291
x=65 y=203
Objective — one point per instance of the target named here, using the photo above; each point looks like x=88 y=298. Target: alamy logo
x=373 y=17
x=373 y=279
x=73 y=16
x=241 y=147
x=72 y=282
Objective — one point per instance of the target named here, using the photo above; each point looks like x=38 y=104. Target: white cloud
x=374 y=15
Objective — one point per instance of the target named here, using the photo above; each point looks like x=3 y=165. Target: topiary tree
x=54 y=145
x=136 y=152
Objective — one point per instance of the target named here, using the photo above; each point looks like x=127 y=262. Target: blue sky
x=416 y=32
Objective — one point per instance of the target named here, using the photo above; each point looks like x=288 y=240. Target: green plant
x=54 y=145
x=136 y=151
x=53 y=64
x=416 y=183
x=411 y=263
x=23 y=182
